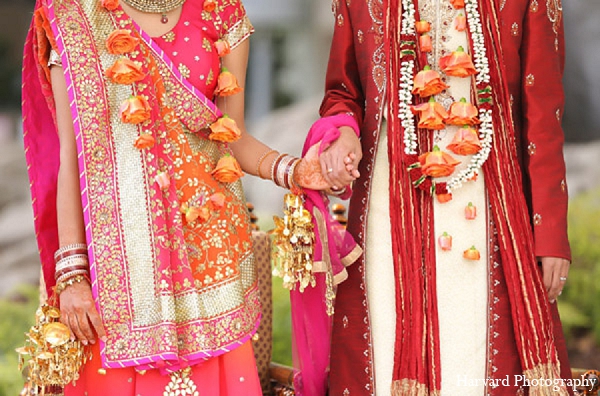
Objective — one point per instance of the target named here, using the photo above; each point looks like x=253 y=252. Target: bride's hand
x=308 y=172
x=78 y=312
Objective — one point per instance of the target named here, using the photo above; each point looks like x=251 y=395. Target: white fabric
x=380 y=273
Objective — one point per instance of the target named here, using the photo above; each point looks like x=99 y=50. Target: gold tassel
x=294 y=244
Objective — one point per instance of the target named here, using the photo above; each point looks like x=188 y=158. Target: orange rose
x=470 y=211
x=445 y=242
x=457 y=4
x=472 y=254
x=163 y=181
x=193 y=213
x=222 y=47
x=443 y=198
x=227 y=84
x=125 y=71
x=425 y=43
x=144 y=141
x=458 y=64
x=225 y=129
x=110 y=4
x=121 y=42
x=428 y=82
x=209 y=5
x=422 y=27
x=465 y=142
x=460 y=23
x=437 y=163
x=135 y=110
x=227 y=170
x=462 y=113
x=431 y=115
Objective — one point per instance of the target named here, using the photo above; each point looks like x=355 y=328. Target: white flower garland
x=482 y=79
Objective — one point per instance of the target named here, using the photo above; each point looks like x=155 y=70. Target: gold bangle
x=61 y=286
x=261 y=160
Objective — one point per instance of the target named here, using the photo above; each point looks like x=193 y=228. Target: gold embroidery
x=554 y=11
x=361 y=36
x=531 y=148
x=530 y=80
x=184 y=70
x=537 y=219
x=169 y=37
x=239 y=32
x=534 y=6
x=558 y=114
x=514 y=30
x=181 y=384
x=502 y=4
x=340 y=20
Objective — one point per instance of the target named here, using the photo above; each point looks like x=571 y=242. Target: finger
x=326 y=167
x=557 y=283
x=84 y=322
x=547 y=276
x=96 y=322
x=74 y=326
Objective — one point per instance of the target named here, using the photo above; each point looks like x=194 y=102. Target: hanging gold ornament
x=294 y=241
x=53 y=360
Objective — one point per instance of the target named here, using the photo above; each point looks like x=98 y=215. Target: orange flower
x=432 y=115
x=460 y=23
x=225 y=129
x=465 y=142
x=135 y=110
x=443 y=198
x=144 y=141
x=110 y=4
x=227 y=84
x=425 y=43
x=422 y=27
x=462 y=113
x=457 y=64
x=227 y=170
x=474 y=177
x=125 y=71
x=458 y=4
x=209 y=5
x=222 y=47
x=472 y=254
x=437 y=163
x=121 y=42
x=470 y=211
x=163 y=181
x=428 y=82
x=193 y=213
x=217 y=200
x=445 y=242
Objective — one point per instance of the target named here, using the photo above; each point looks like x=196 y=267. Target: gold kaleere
x=294 y=244
x=53 y=360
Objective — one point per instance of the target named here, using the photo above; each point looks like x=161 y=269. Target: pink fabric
x=311 y=325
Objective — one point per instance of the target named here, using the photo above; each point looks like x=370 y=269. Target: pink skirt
x=231 y=374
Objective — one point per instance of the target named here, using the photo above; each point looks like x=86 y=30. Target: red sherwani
x=533 y=53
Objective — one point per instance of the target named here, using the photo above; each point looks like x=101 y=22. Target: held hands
x=339 y=162
x=555 y=271
x=334 y=168
x=78 y=312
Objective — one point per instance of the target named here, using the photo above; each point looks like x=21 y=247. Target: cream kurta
x=462 y=285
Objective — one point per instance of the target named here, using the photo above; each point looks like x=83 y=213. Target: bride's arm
x=76 y=303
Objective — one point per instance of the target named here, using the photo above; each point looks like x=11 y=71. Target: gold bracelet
x=261 y=160
x=61 y=286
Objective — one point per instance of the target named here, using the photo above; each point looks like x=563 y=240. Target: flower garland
x=482 y=80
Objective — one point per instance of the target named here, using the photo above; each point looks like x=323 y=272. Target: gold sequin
x=530 y=80
x=537 y=219
x=531 y=148
x=514 y=30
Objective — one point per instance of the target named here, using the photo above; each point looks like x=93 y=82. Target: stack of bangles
x=282 y=169
x=71 y=266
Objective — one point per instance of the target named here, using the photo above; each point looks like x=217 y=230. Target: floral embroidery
x=530 y=80
x=531 y=148
x=537 y=219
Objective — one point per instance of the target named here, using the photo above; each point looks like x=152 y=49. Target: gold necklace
x=155 y=7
